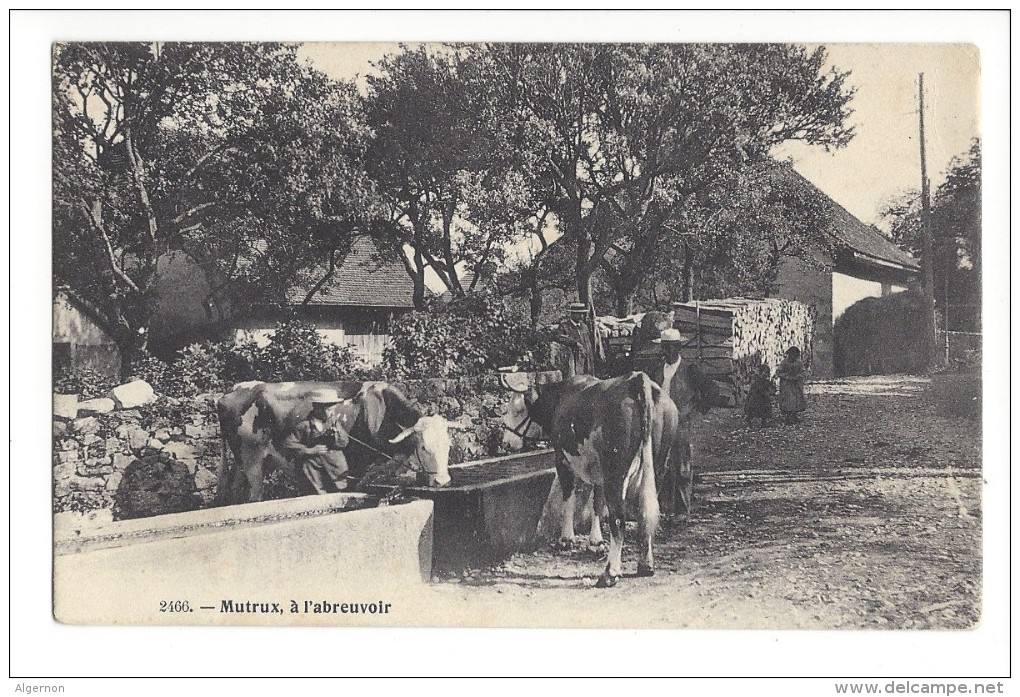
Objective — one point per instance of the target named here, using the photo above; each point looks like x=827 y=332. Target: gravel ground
x=866 y=515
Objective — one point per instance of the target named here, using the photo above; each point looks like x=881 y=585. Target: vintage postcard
x=573 y=335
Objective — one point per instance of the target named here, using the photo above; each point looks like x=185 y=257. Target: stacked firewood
x=731 y=338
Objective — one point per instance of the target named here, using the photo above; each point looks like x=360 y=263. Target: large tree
x=632 y=133
x=441 y=161
x=234 y=154
x=956 y=233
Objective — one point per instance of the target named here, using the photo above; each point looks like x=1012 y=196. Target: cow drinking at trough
x=256 y=420
x=615 y=435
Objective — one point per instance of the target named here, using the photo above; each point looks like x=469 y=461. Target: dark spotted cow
x=255 y=418
x=615 y=435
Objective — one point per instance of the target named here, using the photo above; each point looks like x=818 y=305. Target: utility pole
x=928 y=263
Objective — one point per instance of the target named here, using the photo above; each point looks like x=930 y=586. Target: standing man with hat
x=575 y=333
x=316 y=445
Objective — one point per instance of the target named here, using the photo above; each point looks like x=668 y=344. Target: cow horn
x=403 y=434
x=504 y=380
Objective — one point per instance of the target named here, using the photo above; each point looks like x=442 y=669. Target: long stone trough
x=236 y=564
x=490 y=510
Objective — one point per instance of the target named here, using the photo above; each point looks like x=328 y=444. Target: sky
x=883 y=159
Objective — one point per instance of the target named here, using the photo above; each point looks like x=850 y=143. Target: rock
x=103 y=405
x=89 y=424
x=113 y=481
x=133 y=394
x=201 y=431
x=59 y=429
x=183 y=452
x=67 y=444
x=154 y=444
x=65 y=406
x=121 y=461
x=205 y=479
x=130 y=415
x=67 y=456
x=137 y=437
x=162 y=434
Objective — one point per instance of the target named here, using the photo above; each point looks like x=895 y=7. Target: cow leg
x=617 y=518
x=685 y=478
x=254 y=458
x=566 y=477
x=598 y=505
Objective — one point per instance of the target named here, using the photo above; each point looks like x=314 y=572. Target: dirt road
x=865 y=515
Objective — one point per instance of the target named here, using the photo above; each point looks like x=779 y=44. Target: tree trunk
x=688 y=279
x=584 y=271
x=624 y=302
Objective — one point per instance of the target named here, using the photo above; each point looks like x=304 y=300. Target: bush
x=881 y=336
x=466 y=337
x=88 y=384
x=296 y=351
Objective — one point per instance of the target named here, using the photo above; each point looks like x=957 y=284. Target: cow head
x=432 y=447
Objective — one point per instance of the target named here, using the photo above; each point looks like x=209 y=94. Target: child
x=758 y=404
x=791 y=385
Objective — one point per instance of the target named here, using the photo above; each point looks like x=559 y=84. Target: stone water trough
x=490 y=510
x=181 y=568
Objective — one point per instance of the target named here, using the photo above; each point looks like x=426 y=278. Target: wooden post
x=928 y=267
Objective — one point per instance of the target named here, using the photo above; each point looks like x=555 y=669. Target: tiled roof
x=363 y=279
x=854 y=234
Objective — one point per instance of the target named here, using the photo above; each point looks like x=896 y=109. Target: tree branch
x=111 y=256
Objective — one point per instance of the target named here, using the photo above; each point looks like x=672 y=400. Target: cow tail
x=221 y=473
x=649 y=510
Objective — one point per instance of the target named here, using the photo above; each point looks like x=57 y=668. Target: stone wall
x=92 y=452
x=93 y=449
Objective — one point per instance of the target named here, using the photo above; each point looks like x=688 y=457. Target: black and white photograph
x=561 y=334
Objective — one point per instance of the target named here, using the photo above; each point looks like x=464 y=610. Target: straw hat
x=669 y=336
x=324 y=397
x=578 y=307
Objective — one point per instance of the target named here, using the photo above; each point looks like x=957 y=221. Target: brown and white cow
x=256 y=417
x=615 y=435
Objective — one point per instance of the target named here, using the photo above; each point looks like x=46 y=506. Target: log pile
x=730 y=338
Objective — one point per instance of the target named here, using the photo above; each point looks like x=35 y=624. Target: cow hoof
x=563 y=544
x=606 y=581
x=645 y=571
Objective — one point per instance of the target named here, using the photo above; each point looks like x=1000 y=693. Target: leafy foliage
x=87 y=384
x=469 y=336
x=233 y=154
x=956 y=234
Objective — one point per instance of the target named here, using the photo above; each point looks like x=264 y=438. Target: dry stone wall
x=93 y=447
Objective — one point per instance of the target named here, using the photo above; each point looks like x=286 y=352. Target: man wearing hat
x=315 y=445
x=575 y=333
x=688 y=387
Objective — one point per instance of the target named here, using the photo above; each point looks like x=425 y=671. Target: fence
x=961 y=347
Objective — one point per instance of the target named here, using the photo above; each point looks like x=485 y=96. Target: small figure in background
x=758 y=403
x=575 y=332
x=791 y=374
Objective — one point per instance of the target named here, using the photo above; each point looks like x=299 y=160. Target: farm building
x=79 y=340
x=353 y=308
x=864 y=264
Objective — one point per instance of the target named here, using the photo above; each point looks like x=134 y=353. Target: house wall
x=364 y=331
x=810 y=282
x=79 y=343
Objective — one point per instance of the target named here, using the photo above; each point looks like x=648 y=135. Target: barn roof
x=855 y=235
x=363 y=279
